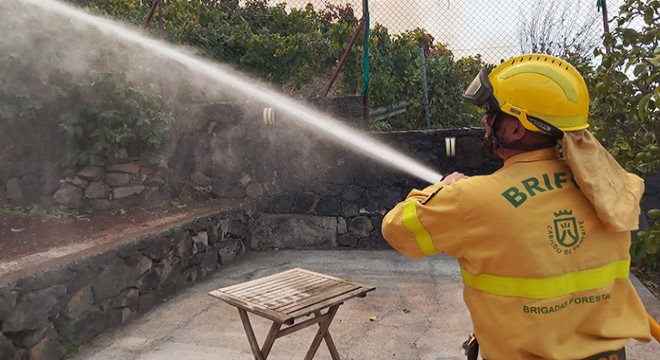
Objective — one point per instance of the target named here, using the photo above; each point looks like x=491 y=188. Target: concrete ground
x=416 y=312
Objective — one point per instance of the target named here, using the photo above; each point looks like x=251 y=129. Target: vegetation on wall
x=625 y=99
x=271 y=42
x=75 y=105
x=118 y=120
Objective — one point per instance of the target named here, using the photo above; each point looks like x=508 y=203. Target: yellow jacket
x=543 y=277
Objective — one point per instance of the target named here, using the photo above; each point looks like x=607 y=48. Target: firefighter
x=542 y=243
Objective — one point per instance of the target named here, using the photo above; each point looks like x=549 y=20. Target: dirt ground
x=26 y=234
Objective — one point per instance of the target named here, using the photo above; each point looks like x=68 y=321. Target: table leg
x=329 y=341
x=321 y=334
x=250 y=334
x=270 y=339
x=331 y=346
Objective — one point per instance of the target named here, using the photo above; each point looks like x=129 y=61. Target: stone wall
x=229 y=151
x=47 y=311
x=125 y=185
x=331 y=193
x=311 y=191
x=342 y=202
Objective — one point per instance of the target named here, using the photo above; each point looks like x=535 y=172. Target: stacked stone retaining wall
x=46 y=311
x=116 y=186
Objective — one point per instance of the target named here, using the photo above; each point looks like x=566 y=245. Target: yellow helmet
x=543 y=92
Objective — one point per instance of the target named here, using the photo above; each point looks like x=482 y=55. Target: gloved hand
x=453 y=177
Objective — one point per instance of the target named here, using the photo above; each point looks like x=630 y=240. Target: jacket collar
x=531 y=156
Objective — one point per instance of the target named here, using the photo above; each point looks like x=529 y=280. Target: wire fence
x=494 y=29
x=296 y=43
x=302 y=46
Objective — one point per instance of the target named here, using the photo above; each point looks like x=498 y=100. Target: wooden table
x=286 y=297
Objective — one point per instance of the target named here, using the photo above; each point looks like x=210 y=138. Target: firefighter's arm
x=402 y=227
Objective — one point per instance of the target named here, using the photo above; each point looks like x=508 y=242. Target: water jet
x=304 y=115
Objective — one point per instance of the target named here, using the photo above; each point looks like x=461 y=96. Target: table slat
x=254 y=308
x=277 y=287
x=314 y=299
x=259 y=282
x=336 y=300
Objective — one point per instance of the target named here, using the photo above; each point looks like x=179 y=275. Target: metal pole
x=160 y=18
x=426 y=91
x=606 y=27
x=365 y=97
x=154 y=3
x=343 y=58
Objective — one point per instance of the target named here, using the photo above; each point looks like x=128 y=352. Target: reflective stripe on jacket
x=543 y=277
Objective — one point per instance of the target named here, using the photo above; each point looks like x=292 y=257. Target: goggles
x=480 y=93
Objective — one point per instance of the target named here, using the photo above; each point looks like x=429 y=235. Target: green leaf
x=642 y=107
x=637 y=250
x=119 y=211
x=640 y=68
x=655 y=61
x=650 y=247
x=654 y=214
x=624 y=146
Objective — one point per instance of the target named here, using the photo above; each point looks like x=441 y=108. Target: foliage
x=628 y=79
x=293 y=46
x=397 y=76
x=555 y=28
x=67 y=347
x=132 y=11
x=78 y=105
x=270 y=42
x=114 y=120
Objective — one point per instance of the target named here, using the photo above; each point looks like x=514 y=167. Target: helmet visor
x=480 y=91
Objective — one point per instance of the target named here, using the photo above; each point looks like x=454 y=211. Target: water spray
x=303 y=114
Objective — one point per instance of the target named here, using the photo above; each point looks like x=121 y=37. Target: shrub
x=626 y=80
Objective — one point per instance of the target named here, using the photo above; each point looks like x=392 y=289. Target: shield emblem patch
x=566 y=231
